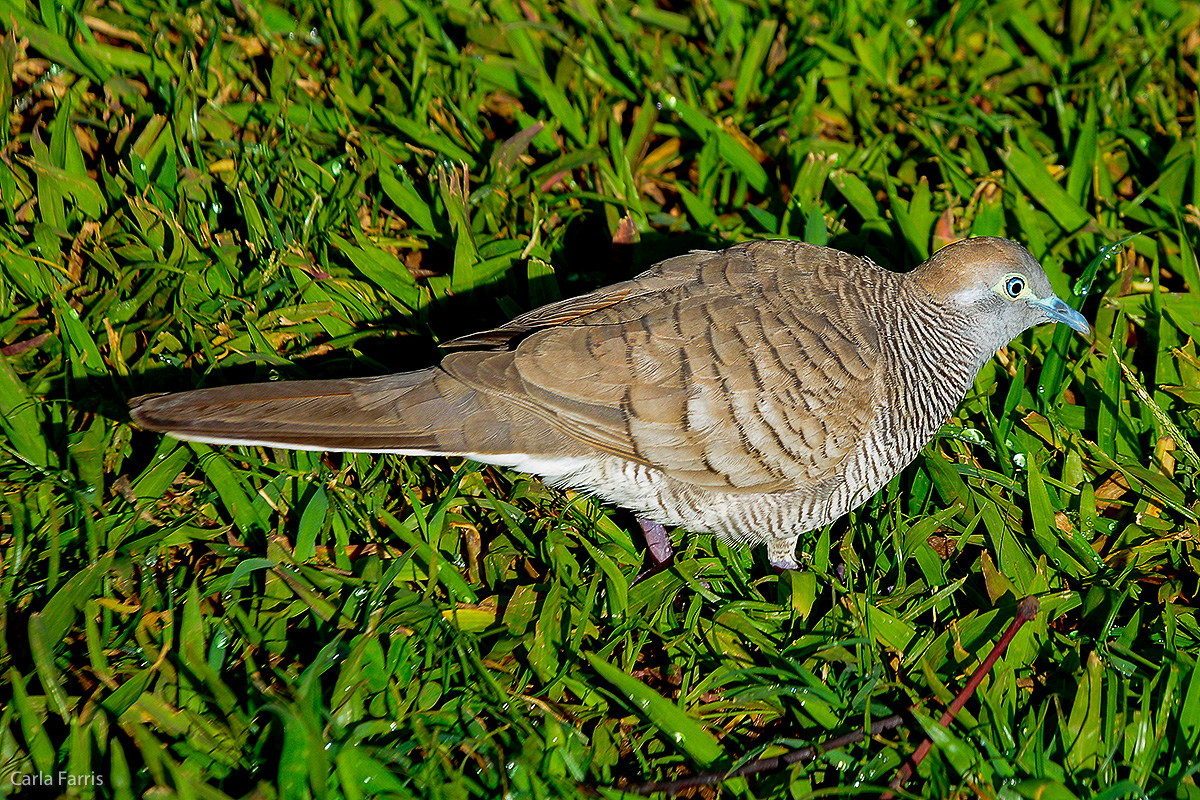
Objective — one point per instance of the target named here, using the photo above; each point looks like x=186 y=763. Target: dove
x=757 y=392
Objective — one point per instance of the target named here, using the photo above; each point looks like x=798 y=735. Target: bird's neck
x=935 y=354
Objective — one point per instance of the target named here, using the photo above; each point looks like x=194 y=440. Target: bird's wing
x=752 y=369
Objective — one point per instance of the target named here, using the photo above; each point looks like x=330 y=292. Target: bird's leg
x=658 y=545
x=657 y=541
x=782 y=553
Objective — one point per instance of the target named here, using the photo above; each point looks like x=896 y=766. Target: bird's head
x=1000 y=287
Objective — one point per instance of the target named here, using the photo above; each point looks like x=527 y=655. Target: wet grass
x=202 y=194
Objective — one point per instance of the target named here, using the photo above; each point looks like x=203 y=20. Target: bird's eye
x=1014 y=285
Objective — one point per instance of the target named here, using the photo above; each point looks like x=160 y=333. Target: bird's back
x=754 y=369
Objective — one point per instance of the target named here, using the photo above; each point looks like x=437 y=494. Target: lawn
x=200 y=194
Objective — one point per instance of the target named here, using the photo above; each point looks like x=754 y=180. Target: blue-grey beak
x=1058 y=311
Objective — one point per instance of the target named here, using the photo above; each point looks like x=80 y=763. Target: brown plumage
x=757 y=392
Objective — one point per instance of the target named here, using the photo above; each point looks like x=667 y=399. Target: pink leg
x=658 y=544
x=657 y=541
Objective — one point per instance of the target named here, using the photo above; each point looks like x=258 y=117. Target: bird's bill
x=1058 y=311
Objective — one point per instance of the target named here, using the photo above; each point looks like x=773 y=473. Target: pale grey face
x=1001 y=286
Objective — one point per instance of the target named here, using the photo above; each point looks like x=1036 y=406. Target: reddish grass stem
x=1027 y=609
x=765 y=764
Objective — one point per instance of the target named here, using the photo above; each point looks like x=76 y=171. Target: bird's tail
x=419 y=413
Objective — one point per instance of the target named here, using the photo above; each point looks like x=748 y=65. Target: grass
x=201 y=194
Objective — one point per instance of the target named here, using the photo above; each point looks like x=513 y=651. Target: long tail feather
x=402 y=413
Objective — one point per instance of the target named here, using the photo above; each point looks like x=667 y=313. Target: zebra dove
x=757 y=392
